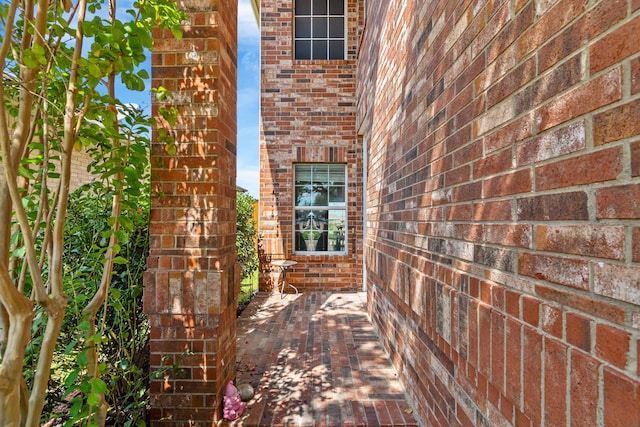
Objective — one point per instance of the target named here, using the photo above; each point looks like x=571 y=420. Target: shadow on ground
x=314 y=360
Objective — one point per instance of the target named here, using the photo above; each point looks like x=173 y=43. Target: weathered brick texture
x=192 y=282
x=308 y=115
x=79 y=173
x=503 y=247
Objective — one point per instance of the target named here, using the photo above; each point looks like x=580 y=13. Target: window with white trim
x=319 y=29
x=320 y=220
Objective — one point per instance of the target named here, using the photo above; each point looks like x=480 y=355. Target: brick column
x=192 y=282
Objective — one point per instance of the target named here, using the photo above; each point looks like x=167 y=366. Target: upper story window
x=319 y=29
x=320 y=208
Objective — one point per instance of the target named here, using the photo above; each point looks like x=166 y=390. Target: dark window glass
x=319 y=7
x=336 y=7
x=303 y=7
x=303 y=49
x=303 y=28
x=336 y=49
x=336 y=28
x=319 y=49
x=320 y=28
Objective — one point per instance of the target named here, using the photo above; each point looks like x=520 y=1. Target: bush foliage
x=247 y=235
x=123 y=333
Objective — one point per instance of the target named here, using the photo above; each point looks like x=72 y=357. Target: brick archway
x=192 y=281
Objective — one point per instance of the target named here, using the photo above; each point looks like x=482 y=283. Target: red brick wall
x=503 y=198
x=307 y=116
x=192 y=285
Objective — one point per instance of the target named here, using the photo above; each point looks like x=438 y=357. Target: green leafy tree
x=60 y=62
x=246 y=234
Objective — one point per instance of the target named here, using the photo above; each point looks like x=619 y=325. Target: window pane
x=311 y=195
x=336 y=7
x=336 y=196
x=321 y=174
x=320 y=27
x=336 y=49
x=303 y=7
x=311 y=230
x=336 y=174
x=319 y=49
x=303 y=174
x=337 y=230
x=336 y=185
x=304 y=195
x=319 y=7
x=336 y=28
x=320 y=213
x=303 y=49
x=303 y=28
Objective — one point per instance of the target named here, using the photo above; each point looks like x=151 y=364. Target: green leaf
x=20 y=252
x=82 y=358
x=120 y=260
x=102 y=368
x=71 y=379
x=98 y=385
x=126 y=223
x=131 y=174
x=26 y=173
x=97 y=338
x=94 y=70
x=29 y=59
x=93 y=399
x=122 y=235
x=84 y=325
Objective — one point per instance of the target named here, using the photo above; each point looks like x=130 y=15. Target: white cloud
x=247 y=25
x=248 y=177
x=250 y=59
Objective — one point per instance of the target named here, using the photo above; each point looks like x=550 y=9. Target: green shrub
x=123 y=330
x=247 y=235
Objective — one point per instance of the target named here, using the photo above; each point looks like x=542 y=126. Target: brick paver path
x=314 y=360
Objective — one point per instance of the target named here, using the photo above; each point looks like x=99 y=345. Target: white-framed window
x=320 y=211
x=319 y=29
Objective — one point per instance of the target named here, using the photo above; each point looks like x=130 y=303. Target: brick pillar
x=192 y=282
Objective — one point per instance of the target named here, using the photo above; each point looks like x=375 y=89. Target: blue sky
x=248 y=98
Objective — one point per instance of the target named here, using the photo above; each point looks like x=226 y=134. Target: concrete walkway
x=314 y=360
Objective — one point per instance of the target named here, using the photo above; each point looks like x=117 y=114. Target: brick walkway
x=314 y=360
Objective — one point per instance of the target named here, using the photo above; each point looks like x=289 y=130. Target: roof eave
x=255 y=4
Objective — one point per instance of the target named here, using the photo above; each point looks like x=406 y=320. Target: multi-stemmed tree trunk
x=57 y=97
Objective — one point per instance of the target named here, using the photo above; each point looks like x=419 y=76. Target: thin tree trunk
x=99 y=299
x=56 y=306
x=4 y=329
x=20 y=314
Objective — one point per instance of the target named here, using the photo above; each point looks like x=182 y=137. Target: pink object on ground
x=233 y=405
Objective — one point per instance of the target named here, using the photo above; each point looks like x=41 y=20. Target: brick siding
x=79 y=173
x=503 y=248
x=192 y=283
x=308 y=115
